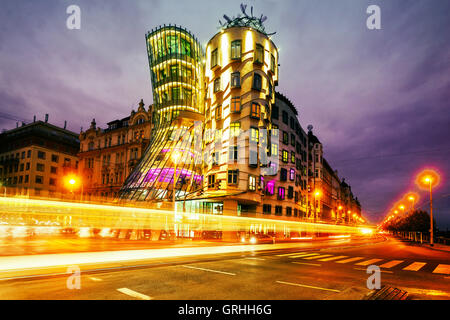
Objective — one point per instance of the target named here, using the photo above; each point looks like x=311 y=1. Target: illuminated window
x=254 y=135
x=214 y=58
x=172 y=43
x=236 y=79
x=292 y=157
x=235 y=129
x=211 y=181
x=257 y=81
x=185 y=47
x=251 y=183
x=235 y=104
x=236 y=49
x=285 y=156
x=256 y=110
x=175 y=93
x=270 y=188
x=292 y=174
x=281 y=193
x=274 y=149
x=259 y=53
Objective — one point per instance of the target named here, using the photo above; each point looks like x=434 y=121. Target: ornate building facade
x=107 y=156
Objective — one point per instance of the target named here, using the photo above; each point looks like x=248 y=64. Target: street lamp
x=412 y=199
x=72 y=182
x=316 y=195
x=429 y=178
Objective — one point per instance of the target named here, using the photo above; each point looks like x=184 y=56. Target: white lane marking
x=306 y=286
x=304 y=255
x=317 y=257
x=415 y=266
x=391 y=264
x=308 y=264
x=442 y=268
x=253 y=258
x=333 y=258
x=386 y=271
x=134 y=294
x=367 y=262
x=289 y=254
x=349 y=260
x=210 y=270
x=95 y=279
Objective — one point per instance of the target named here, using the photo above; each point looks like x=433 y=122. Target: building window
x=253 y=158
x=292 y=157
x=275 y=112
x=233 y=176
x=233 y=153
x=254 y=135
x=278 y=210
x=285 y=117
x=52 y=182
x=288 y=211
x=292 y=139
x=40 y=167
x=216 y=85
x=267 y=209
x=290 y=192
x=274 y=149
x=53 y=170
x=285 y=137
x=39 y=179
x=211 y=181
x=236 y=79
x=214 y=58
x=28 y=153
x=236 y=104
x=285 y=156
x=281 y=193
x=259 y=53
x=22 y=156
x=218 y=112
x=251 y=183
x=292 y=174
x=256 y=110
x=272 y=63
x=27 y=166
x=270 y=187
x=257 y=81
x=236 y=49
x=22 y=167
x=235 y=129
x=41 y=155
x=283 y=174
x=215 y=158
x=292 y=123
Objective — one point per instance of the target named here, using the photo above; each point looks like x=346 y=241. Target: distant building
x=35 y=158
x=108 y=156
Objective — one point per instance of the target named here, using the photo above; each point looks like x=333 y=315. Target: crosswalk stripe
x=442 y=268
x=349 y=260
x=367 y=262
x=391 y=264
x=289 y=254
x=303 y=255
x=333 y=258
x=415 y=266
x=317 y=257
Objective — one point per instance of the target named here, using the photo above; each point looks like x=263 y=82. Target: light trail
x=79 y=215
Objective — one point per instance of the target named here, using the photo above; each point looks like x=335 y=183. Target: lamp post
x=429 y=180
x=316 y=195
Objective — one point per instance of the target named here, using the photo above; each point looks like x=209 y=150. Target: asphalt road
x=320 y=271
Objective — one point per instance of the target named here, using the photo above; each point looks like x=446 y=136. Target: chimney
x=65 y=124
x=46 y=117
x=34 y=118
x=17 y=124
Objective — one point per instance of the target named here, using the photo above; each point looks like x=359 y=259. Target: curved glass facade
x=176 y=70
x=172 y=160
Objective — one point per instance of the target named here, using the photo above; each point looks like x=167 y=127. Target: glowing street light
x=73 y=182
x=429 y=178
x=317 y=194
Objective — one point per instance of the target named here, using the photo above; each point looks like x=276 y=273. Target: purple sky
x=378 y=100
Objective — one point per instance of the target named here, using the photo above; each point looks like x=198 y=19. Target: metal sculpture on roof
x=246 y=21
